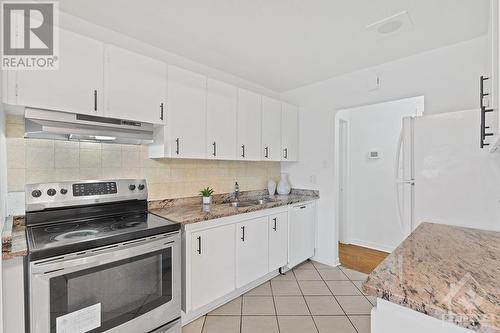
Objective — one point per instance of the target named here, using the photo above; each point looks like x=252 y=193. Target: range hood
x=45 y=124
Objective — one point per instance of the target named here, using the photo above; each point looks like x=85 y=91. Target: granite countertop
x=14 y=242
x=190 y=210
x=450 y=273
x=183 y=210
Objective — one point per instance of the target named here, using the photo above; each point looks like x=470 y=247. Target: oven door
x=128 y=287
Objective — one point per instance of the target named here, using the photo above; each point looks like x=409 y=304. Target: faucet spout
x=236 y=191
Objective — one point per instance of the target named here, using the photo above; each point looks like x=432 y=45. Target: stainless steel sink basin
x=248 y=203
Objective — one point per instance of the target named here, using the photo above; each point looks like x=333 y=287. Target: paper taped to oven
x=80 y=321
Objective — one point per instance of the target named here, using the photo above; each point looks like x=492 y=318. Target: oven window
x=125 y=289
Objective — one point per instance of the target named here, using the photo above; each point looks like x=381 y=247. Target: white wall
x=447 y=77
x=371 y=217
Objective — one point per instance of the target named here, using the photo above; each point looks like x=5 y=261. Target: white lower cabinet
x=251 y=250
x=12 y=295
x=278 y=240
x=224 y=258
x=212 y=264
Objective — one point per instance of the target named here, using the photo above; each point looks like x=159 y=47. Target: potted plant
x=206 y=193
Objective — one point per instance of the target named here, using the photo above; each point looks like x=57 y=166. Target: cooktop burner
x=81 y=234
x=124 y=225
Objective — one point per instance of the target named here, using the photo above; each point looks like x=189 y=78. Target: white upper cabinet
x=75 y=87
x=249 y=129
x=222 y=104
x=289 y=132
x=135 y=86
x=186 y=123
x=271 y=129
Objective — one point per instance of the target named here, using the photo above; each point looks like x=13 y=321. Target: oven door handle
x=96 y=258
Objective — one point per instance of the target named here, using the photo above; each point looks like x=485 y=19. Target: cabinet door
x=212 y=265
x=187 y=96
x=302 y=233
x=249 y=127
x=278 y=241
x=251 y=250
x=289 y=132
x=75 y=87
x=222 y=103
x=135 y=86
x=271 y=129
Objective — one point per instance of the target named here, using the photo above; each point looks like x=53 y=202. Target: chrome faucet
x=236 y=191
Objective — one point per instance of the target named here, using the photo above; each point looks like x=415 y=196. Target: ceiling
x=285 y=44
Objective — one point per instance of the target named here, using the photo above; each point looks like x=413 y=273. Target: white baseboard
x=371 y=245
x=324 y=261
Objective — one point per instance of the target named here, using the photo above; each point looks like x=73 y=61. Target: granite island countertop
x=190 y=210
x=447 y=272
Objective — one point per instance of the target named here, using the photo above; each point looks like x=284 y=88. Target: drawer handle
x=285 y=153
x=199 y=245
x=243 y=151
x=177 y=146
x=215 y=148
x=267 y=152
x=95 y=100
x=243 y=233
x=161 y=111
x=302 y=207
x=275 y=227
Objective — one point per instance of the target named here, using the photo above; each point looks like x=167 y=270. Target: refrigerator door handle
x=398 y=179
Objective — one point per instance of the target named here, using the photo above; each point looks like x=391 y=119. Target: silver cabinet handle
x=243 y=151
x=177 y=146
x=243 y=233
x=275 y=227
x=215 y=148
x=266 y=155
x=95 y=100
x=161 y=111
x=285 y=153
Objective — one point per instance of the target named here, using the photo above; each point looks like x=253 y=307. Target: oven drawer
x=128 y=287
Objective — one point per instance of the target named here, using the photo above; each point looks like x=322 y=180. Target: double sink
x=249 y=203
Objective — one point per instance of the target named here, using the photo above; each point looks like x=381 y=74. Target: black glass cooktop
x=77 y=235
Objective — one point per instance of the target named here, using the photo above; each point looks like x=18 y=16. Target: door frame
x=342 y=175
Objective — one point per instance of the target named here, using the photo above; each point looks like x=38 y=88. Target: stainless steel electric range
x=98 y=261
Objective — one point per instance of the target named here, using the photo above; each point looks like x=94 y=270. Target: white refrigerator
x=442 y=176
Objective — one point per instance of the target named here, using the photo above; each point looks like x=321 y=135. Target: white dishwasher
x=302 y=233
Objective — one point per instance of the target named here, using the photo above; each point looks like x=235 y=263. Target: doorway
x=366 y=154
x=343 y=172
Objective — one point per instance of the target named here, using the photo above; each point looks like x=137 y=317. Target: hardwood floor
x=360 y=258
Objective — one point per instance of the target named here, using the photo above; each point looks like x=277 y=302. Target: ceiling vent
x=391 y=25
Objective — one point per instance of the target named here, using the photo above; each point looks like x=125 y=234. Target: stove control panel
x=66 y=194
x=85 y=189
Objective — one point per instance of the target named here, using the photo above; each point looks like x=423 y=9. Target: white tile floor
x=313 y=298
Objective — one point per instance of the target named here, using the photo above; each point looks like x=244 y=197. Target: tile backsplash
x=37 y=161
